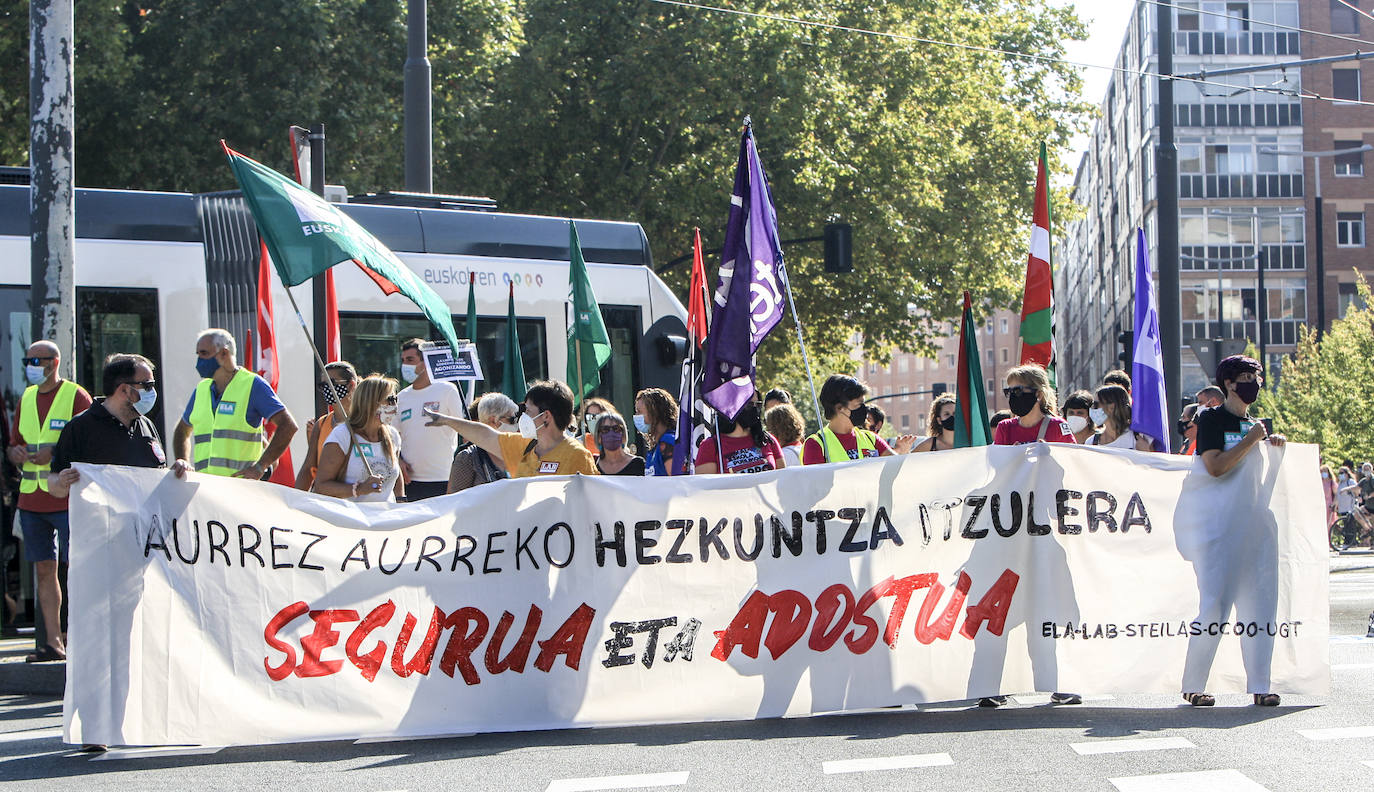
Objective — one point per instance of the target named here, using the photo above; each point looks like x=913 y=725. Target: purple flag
x=1149 y=410
x=748 y=301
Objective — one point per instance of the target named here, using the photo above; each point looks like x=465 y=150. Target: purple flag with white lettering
x=1149 y=408
x=748 y=301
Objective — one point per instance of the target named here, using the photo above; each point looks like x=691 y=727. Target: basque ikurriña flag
x=694 y=417
x=283 y=472
x=1149 y=408
x=1037 y=303
x=749 y=298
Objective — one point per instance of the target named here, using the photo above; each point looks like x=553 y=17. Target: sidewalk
x=16 y=676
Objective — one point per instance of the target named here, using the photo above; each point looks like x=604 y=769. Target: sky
x=1106 y=21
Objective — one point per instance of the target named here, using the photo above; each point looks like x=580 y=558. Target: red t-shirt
x=38 y=500
x=814 y=454
x=1011 y=432
x=741 y=455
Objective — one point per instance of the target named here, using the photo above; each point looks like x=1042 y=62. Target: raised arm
x=479 y=434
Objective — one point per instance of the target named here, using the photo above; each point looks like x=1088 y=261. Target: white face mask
x=527 y=427
x=387 y=414
x=409 y=372
x=1077 y=423
x=1098 y=415
x=508 y=427
x=35 y=375
x=146 y=400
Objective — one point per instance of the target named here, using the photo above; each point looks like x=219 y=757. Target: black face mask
x=724 y=425
x=1183 y=426
x=333 y=391
x=1247 y=391
x=948 y=424
x=1022 y=403
x=859 y=416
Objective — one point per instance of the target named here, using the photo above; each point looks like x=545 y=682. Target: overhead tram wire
x=1290 y=92
x=1276 y=25
x=1355 y=8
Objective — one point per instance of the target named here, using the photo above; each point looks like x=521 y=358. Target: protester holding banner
x=338 y=393
x=744 y=444
x=787 y=426
x=940 y=425
x=844 y=436
x=1078 y=415
x=655 y=414
x=1032 y=403
x=473 y=465
x=1115 y=405
x=361 y=458
x=1225 y=434
x=541 y=448
x=613 y=459
x=428 y=450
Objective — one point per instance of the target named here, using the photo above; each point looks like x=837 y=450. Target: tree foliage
x=1323 y=396
x=629 y=109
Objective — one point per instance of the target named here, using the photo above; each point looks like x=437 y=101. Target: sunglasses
x=145 y=385
x=391 y=400
x=34 y=361
x=1017 y=390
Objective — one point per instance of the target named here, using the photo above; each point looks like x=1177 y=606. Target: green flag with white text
x=589 y=348
x=306 y=235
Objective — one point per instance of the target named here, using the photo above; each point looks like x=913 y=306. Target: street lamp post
x=1317 y=220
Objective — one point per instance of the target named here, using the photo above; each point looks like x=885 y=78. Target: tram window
x=111 y=321
x=372 y=343
x=14 y=305
x=620 y=376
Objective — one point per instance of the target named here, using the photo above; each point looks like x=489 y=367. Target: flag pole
x=815 y=401
x=324 y=375
x=577 y=350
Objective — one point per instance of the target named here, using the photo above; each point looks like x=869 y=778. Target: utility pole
x=317 y=286
x=52 y=192
x=1166 y=215
x=418 y=112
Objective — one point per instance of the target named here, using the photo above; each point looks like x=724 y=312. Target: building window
x=902 y=364
x=906 y=422
x=989 y=326
x=1004 y=325
x=1349 y=299
x=991 y=361
x=1349 y=164
x=1345 y=84
x=1350 y=229
x=1005 y=355
x=950 y=358
x=1344 y=19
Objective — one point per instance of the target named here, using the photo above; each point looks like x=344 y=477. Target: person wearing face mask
x=426 y=451
x=541 y=448
x=45 y=407
x=1329 y=491
x=1078 y=415
x=361 y=459
x=1113 y=405
x=613 y=459
x=114 y=431
x=1187 y=427
x=473 y=465
x=844 y=437
x=656 y=419
x=940 y=424
x=222 y=428
x=1034 y=417
x=744 y=444
x=592 y=409
x=338 y=394
x=1225 y=435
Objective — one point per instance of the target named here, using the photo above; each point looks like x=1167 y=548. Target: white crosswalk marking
x=30 y=734
x=1338 y=733
x=886 y=763
x=642 y=781
x=1131 y=745
x=371 y=740
x=116 y=754
x=1035 y=699
x=1205 y=781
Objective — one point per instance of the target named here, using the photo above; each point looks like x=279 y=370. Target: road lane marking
x=886 y=763
x=1205 y=781
x=1034 y=699
x=30 y=734
x=1351 y=639
x=115 y=754
x=1338 y=733
x=393 y=738
x=1351 y=666
x=1130 y=745
x=642 y=781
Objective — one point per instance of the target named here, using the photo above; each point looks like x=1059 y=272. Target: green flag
x=513 y=378
x=306 y=236
x=971 y=410
x=588 y=345
x=470 y=388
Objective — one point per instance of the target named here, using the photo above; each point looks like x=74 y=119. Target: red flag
x=696 y=295
x=332 y=346
x=1037 y=304
x=282 y=472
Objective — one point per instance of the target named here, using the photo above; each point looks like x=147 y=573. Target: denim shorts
x=46 y=535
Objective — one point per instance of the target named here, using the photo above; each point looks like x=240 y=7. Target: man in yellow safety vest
x=46 y=406
x=221 y=430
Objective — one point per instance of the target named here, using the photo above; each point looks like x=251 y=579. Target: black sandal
x=1200 y=699
x=47 y=653
x=1266 y=699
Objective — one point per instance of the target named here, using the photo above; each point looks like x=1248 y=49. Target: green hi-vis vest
x=835 y=452
x=33 y=476
x=224 y=442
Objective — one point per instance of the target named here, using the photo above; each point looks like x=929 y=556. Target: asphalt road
x=1126 y=744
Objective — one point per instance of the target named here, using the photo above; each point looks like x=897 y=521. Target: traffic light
x=839 y=247
x=1126 y=355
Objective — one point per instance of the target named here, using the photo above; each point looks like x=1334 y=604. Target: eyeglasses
x=610 y=428
x=1017 y=390
x=391 y=400
x=34 y=361
x=145 y=385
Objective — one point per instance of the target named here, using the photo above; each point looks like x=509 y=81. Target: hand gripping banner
x=219 y=611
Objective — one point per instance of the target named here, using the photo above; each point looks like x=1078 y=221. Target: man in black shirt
x=115 y=431
x=1225 y=434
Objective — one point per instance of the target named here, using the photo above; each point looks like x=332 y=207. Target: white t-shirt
x=376 y=457
x=792 y=455
x=1124 y=440
x=428 y=449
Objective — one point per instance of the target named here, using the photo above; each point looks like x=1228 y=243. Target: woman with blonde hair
x=361 y=458
x=940 y=425
x=1034 y=415
x=1112 y=404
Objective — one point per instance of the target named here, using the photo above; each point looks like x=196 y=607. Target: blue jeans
x=46 y=535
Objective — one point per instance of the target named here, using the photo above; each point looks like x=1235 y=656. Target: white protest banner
x=223 y=611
